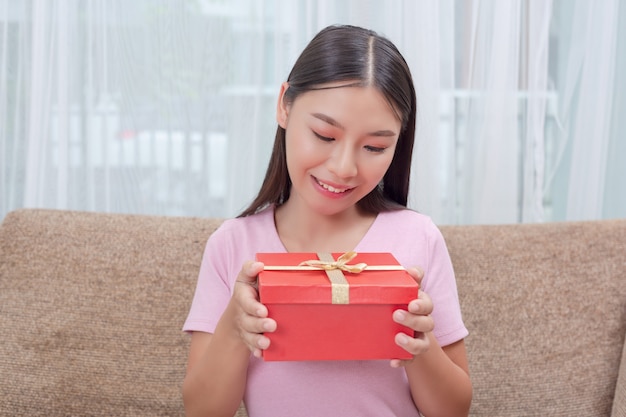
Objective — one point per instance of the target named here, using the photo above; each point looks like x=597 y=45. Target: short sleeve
x=440 y=284
x=213 y=289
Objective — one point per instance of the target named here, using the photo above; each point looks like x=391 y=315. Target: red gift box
x=326 y=313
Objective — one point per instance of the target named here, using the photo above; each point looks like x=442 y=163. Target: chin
x=332 y=210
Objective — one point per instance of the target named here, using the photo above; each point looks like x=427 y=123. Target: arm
x=438 y=377
x=216 y=370
x=439 y=380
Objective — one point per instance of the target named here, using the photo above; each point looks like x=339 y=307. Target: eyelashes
x=375 y=149
x=323 y=138
x=369 y=148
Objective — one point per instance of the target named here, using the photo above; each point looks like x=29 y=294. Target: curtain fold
x=430 y=179
x=37 y=103
x=492 y=158
x=591 y=117
x=534 y=80
x=167 y=106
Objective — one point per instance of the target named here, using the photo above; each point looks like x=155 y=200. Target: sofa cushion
x=91 y=311
x=619 y=402
x=545 y=305
x=91 y=307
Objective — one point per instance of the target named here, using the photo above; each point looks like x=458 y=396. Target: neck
x=304 y=230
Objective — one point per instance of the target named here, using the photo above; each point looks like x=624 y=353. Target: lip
x=323 y=187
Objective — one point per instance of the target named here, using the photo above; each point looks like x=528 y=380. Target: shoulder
x=246 y=235
x=408 y=219
x=406 y=233
x=256 y=223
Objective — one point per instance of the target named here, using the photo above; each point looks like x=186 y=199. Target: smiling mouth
x=331 y=188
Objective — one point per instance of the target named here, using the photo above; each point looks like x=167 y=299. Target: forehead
x=348 y=101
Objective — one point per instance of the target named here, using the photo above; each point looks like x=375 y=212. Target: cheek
x=298 y=154
x=302 y=152
x=378 y=168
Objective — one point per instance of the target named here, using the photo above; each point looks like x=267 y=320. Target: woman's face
x=339 y=143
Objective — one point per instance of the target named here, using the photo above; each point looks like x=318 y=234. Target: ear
x=282 y=110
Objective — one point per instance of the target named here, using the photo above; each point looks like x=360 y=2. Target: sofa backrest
x=545 y=305
x=92 y=305
x=91 y=312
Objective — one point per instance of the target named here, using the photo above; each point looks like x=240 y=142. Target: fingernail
x=263 y=343
x=399 y=315
x=403 y=339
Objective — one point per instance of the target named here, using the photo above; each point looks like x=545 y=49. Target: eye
x=374 y=149
x=324 y=138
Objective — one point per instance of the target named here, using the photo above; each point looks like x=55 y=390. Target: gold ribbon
x=328 y=263
x=340 y=288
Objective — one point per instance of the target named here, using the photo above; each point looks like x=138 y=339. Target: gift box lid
x=313 y=286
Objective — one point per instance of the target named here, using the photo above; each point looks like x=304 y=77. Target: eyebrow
x=333 y=122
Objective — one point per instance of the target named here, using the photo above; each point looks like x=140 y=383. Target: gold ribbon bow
x=328 y=263
x=340 y=288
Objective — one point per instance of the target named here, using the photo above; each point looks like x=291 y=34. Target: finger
x=397 y=363
x=249 y=272
x=416 y=322
x=417 y=273
x=256 y=325
x=253 y=322
x=245 y=291
x=259 y=344
x=251 y=329
x=414 y=345
x=247 y=298
x=422 y=305
x=252 y=332
x=262 y=343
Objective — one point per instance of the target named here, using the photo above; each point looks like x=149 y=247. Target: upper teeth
x=331 y=188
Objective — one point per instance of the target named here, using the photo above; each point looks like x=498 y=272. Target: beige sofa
x=91 y=309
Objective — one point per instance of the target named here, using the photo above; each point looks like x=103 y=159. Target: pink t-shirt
x=328 y=388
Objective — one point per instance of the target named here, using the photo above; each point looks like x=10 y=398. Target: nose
x=343 y=162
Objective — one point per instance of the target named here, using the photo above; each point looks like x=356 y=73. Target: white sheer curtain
x=167 y=106
x=591 y=75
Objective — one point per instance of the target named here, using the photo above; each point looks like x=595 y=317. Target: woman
x=337 y=181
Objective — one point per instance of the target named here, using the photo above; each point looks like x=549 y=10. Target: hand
x=417 y=317
x=250 y=316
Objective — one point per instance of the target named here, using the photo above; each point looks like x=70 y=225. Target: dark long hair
x=364 y=58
